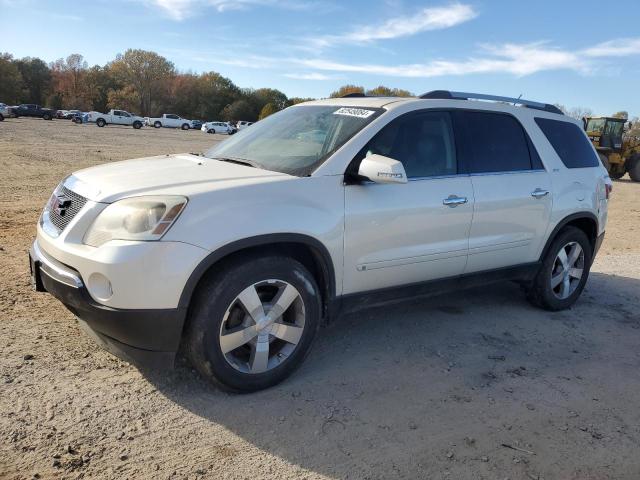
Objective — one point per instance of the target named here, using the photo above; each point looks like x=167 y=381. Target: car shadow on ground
x=440 y=384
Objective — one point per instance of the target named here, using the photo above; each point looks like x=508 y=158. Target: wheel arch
x=585 y=221
x=306 y=249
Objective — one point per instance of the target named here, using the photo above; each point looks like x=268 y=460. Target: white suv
x=237 y=256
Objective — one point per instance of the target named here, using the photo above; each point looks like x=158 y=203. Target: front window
x=296 y=140
x=595 y=124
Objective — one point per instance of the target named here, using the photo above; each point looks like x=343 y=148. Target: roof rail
x=352 y=95
x=446 y=94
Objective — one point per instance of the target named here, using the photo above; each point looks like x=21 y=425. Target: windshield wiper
x=239 y=161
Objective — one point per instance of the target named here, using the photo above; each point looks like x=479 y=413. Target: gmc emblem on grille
x=61 y=204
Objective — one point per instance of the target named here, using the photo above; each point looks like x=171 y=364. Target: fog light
x=100 y=286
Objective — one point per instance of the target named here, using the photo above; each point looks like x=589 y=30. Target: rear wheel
x=564 y=271
x=101 y=122
x=633 y=167
x=253 y=322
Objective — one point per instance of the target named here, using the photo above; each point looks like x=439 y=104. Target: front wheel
x=137 y=125
x=1 y=118
x=253 y=322
x=633 y=167
x=101 y=122
x=185 y=126
x=564 y=271
x=46 y=116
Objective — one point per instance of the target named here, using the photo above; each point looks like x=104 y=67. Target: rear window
x=569 y=142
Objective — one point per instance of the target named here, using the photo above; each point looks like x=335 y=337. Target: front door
x=399 y=234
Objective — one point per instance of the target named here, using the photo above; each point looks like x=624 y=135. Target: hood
x=179 y=174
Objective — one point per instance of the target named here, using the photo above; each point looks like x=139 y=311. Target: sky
x=578 y=53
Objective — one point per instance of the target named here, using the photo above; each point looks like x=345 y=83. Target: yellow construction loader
x=618 y=152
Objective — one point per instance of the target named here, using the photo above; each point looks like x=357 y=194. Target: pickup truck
x=5 y=111
x=33 y=110
x=170 y=120
x=116 y=117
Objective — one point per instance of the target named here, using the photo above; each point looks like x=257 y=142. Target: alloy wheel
x=567 y=271
x=262 y=326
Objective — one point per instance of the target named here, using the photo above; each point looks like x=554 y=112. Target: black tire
x=1 y=118
x=137 y=125
x=540 y=293
x=157 y=125
x=46 y=116
x=617 y=174
x=101 y=122
x=633 y=167
x=218 y=292
x=211 y=131
x=185 y=126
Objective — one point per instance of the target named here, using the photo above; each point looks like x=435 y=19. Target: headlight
x=136 y=218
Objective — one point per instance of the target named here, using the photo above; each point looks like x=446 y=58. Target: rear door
x=408 y=233
x=512 y=190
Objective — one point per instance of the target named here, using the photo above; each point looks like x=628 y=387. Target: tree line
x=148 y=84
x=144 y=83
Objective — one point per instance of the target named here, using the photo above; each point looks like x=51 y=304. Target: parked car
x=240 y=255
x=217 y=127
x=60 y=113
x=169 y=120
x=242 y=124
x=71 y=114
x=116 y=117
x=196 y=124
x=33 y=110
x=5 y=111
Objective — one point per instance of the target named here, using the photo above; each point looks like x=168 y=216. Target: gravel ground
x=480 y=386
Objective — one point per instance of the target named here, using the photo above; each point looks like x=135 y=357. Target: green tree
x=11 y=84
x=346 y=89
x=267 y=110
x=215 y=92
x=126 y=98
x=36 y=78
x=145 y=73
x=239 y=110
x=382 y=91
x=297 y=100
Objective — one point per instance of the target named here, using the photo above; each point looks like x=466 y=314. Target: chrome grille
x=61 y=215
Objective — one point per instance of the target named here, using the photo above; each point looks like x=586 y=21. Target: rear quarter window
x=569 y=142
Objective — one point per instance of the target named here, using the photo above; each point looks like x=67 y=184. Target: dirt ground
x=478 y=386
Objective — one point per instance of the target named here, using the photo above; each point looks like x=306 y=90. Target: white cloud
x=430 y=18
x=182 y=9
x=310 y=76
x=619 y=47
x=515 y=59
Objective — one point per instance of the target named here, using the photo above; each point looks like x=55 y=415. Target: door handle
x=539 y=193
x=454 y=201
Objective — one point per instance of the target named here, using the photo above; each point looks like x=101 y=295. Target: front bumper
x=146 y=337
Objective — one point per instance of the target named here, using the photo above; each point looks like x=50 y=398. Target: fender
x=325 y=260
x=562 y=223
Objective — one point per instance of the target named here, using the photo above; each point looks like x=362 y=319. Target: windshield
x=295 y=140
x=595 y=124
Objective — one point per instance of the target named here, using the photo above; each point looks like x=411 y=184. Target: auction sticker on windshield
x=354 y=112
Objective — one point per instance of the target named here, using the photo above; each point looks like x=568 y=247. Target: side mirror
x=381 y=169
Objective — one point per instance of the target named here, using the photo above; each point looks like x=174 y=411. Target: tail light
x=608 y=189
